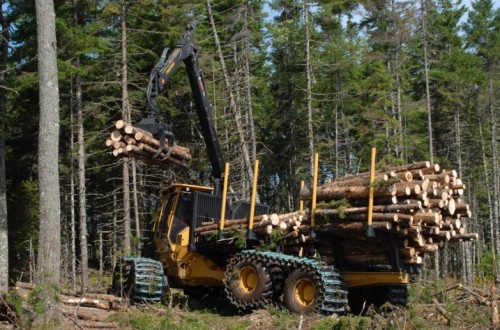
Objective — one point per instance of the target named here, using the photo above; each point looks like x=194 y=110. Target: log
x=380 y=200
x=441 y=178
x=360 y=180
x=417 y=260
x=118 y=144
x=405 y=176
x=432 y=169
x=392 y=217
x=417 y=205
x=129 y=140
x=120 y=124
x=116 y=135
x=428 y=218
x=85 y=313
x=390 y=174
x=83 y=301
x=414 y=166
x=408 y=252
x=434 y=202
x=417 y=174
x=330 y=192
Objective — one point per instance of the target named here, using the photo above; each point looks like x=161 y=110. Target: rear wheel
x=302 y=291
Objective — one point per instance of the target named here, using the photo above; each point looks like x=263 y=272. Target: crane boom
x=161 y=74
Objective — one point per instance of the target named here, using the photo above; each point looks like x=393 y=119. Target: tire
x=302 y=292
x=248 y=284
x=398 y=295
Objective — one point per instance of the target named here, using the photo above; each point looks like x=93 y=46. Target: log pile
x=82 y=311
x=130 y=141
x=418 y=206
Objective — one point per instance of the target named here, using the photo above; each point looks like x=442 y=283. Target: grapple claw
x=160 y=130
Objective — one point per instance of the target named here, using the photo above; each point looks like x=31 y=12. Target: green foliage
x=240 y=239
x=15 y=301
x=272 y=242
x=351 y=322
x=177 y=319
x=485 y=269
x=340 y=205
x=42 y=296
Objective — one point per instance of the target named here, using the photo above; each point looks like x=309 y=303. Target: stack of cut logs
x=81 y=311
x=417 y=206
x=133 y=142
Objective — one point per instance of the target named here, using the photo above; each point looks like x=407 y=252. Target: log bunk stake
x=133 y=142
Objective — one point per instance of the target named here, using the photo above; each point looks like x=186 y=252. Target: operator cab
x=186 y=207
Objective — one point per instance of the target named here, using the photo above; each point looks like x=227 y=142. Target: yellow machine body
x=183 y=267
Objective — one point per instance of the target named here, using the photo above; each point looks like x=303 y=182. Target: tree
x=4 y=241
x=49 y=244
x=483 y=39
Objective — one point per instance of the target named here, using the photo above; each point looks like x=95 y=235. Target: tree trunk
x=82 y=187
x=248 y=84
x=82 y=197
x=494 y=162
x=114 y=236
x=49 y=242
x=4 y=241
x=125 y=115
x=72 y=193
x=310 y=132
x=136 y=208
x=495 y=248
x=423 y=4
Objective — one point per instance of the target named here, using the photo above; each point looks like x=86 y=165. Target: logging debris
x=84 y=311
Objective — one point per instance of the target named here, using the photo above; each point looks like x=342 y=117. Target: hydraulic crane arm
x=160 y=76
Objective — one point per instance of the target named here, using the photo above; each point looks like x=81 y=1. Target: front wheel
x=248 y=284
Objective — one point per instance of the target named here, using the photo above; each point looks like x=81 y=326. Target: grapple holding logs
x=133 y=142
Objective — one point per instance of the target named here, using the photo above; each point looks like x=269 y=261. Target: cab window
x=182 y=217
x=163 y=228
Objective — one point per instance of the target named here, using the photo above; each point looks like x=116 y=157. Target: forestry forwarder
x=252 y=278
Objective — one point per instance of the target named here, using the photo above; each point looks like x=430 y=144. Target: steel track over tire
x=398 y=295
x=303 y=292
x=139 y=279
x=326 y=281
x=248 y=283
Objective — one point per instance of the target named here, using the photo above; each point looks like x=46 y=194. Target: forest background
x=417 y=79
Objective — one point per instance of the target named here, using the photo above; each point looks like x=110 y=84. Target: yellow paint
x=372 y=179
x=248 y=279
x=224 y=197
x=304 y=292
x=301 y=203
x=358 y=279
x=315 y=190
x=254 y=194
